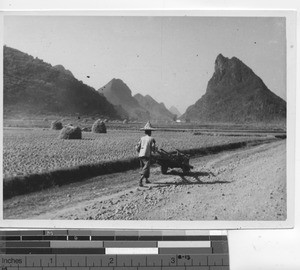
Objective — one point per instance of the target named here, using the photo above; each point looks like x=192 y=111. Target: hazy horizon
x=168 y=58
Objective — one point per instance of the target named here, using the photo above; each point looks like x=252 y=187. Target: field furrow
x=28 y=151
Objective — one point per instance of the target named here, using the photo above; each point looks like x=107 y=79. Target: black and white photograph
x=154 y=118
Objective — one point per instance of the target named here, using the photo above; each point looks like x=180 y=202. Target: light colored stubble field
x=27 y=151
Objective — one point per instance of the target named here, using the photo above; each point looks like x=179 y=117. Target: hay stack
x=99 y=127
x=56 y=125
x=70 y=133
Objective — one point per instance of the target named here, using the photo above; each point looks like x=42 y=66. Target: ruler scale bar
x=10 y=238
x=102 y=238
x=75 y=244
x=185 y=250
x=100 y=260
x=181 y=244
x=151 y=238
x=126 y=268
x=53 y=251
x=131 y=251
x=27 y=244
x=120 y=244
x=65 y=235
x=113 y=250
x=55 y=232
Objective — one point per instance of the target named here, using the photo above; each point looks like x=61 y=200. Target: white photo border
x=291 y=49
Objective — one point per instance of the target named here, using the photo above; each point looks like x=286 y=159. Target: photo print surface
x=82 y=93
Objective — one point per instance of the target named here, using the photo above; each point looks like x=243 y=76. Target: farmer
x=145 y=148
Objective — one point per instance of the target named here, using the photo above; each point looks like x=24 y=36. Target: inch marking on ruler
x=118 y=260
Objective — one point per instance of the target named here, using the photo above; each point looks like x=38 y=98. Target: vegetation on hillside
x=32 y=86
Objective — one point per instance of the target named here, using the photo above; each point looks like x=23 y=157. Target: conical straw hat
x=148 y=126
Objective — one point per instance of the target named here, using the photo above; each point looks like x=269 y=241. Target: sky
x=169 y=58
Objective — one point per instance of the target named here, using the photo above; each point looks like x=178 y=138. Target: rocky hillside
x=235 y=94
x=119 y=94
x=32 y=86
x=158 y=111
x=62 y=69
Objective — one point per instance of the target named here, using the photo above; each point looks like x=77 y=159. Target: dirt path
x=246 y=184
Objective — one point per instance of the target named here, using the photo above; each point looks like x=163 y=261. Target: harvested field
x=28 y=151
x=242 y=184
x=87 y=122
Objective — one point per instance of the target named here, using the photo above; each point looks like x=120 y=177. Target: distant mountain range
x=137 y=107
x=175 y=111
x=158 y=111
x=32 y=86
x=235 y=94
x=118 y=93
